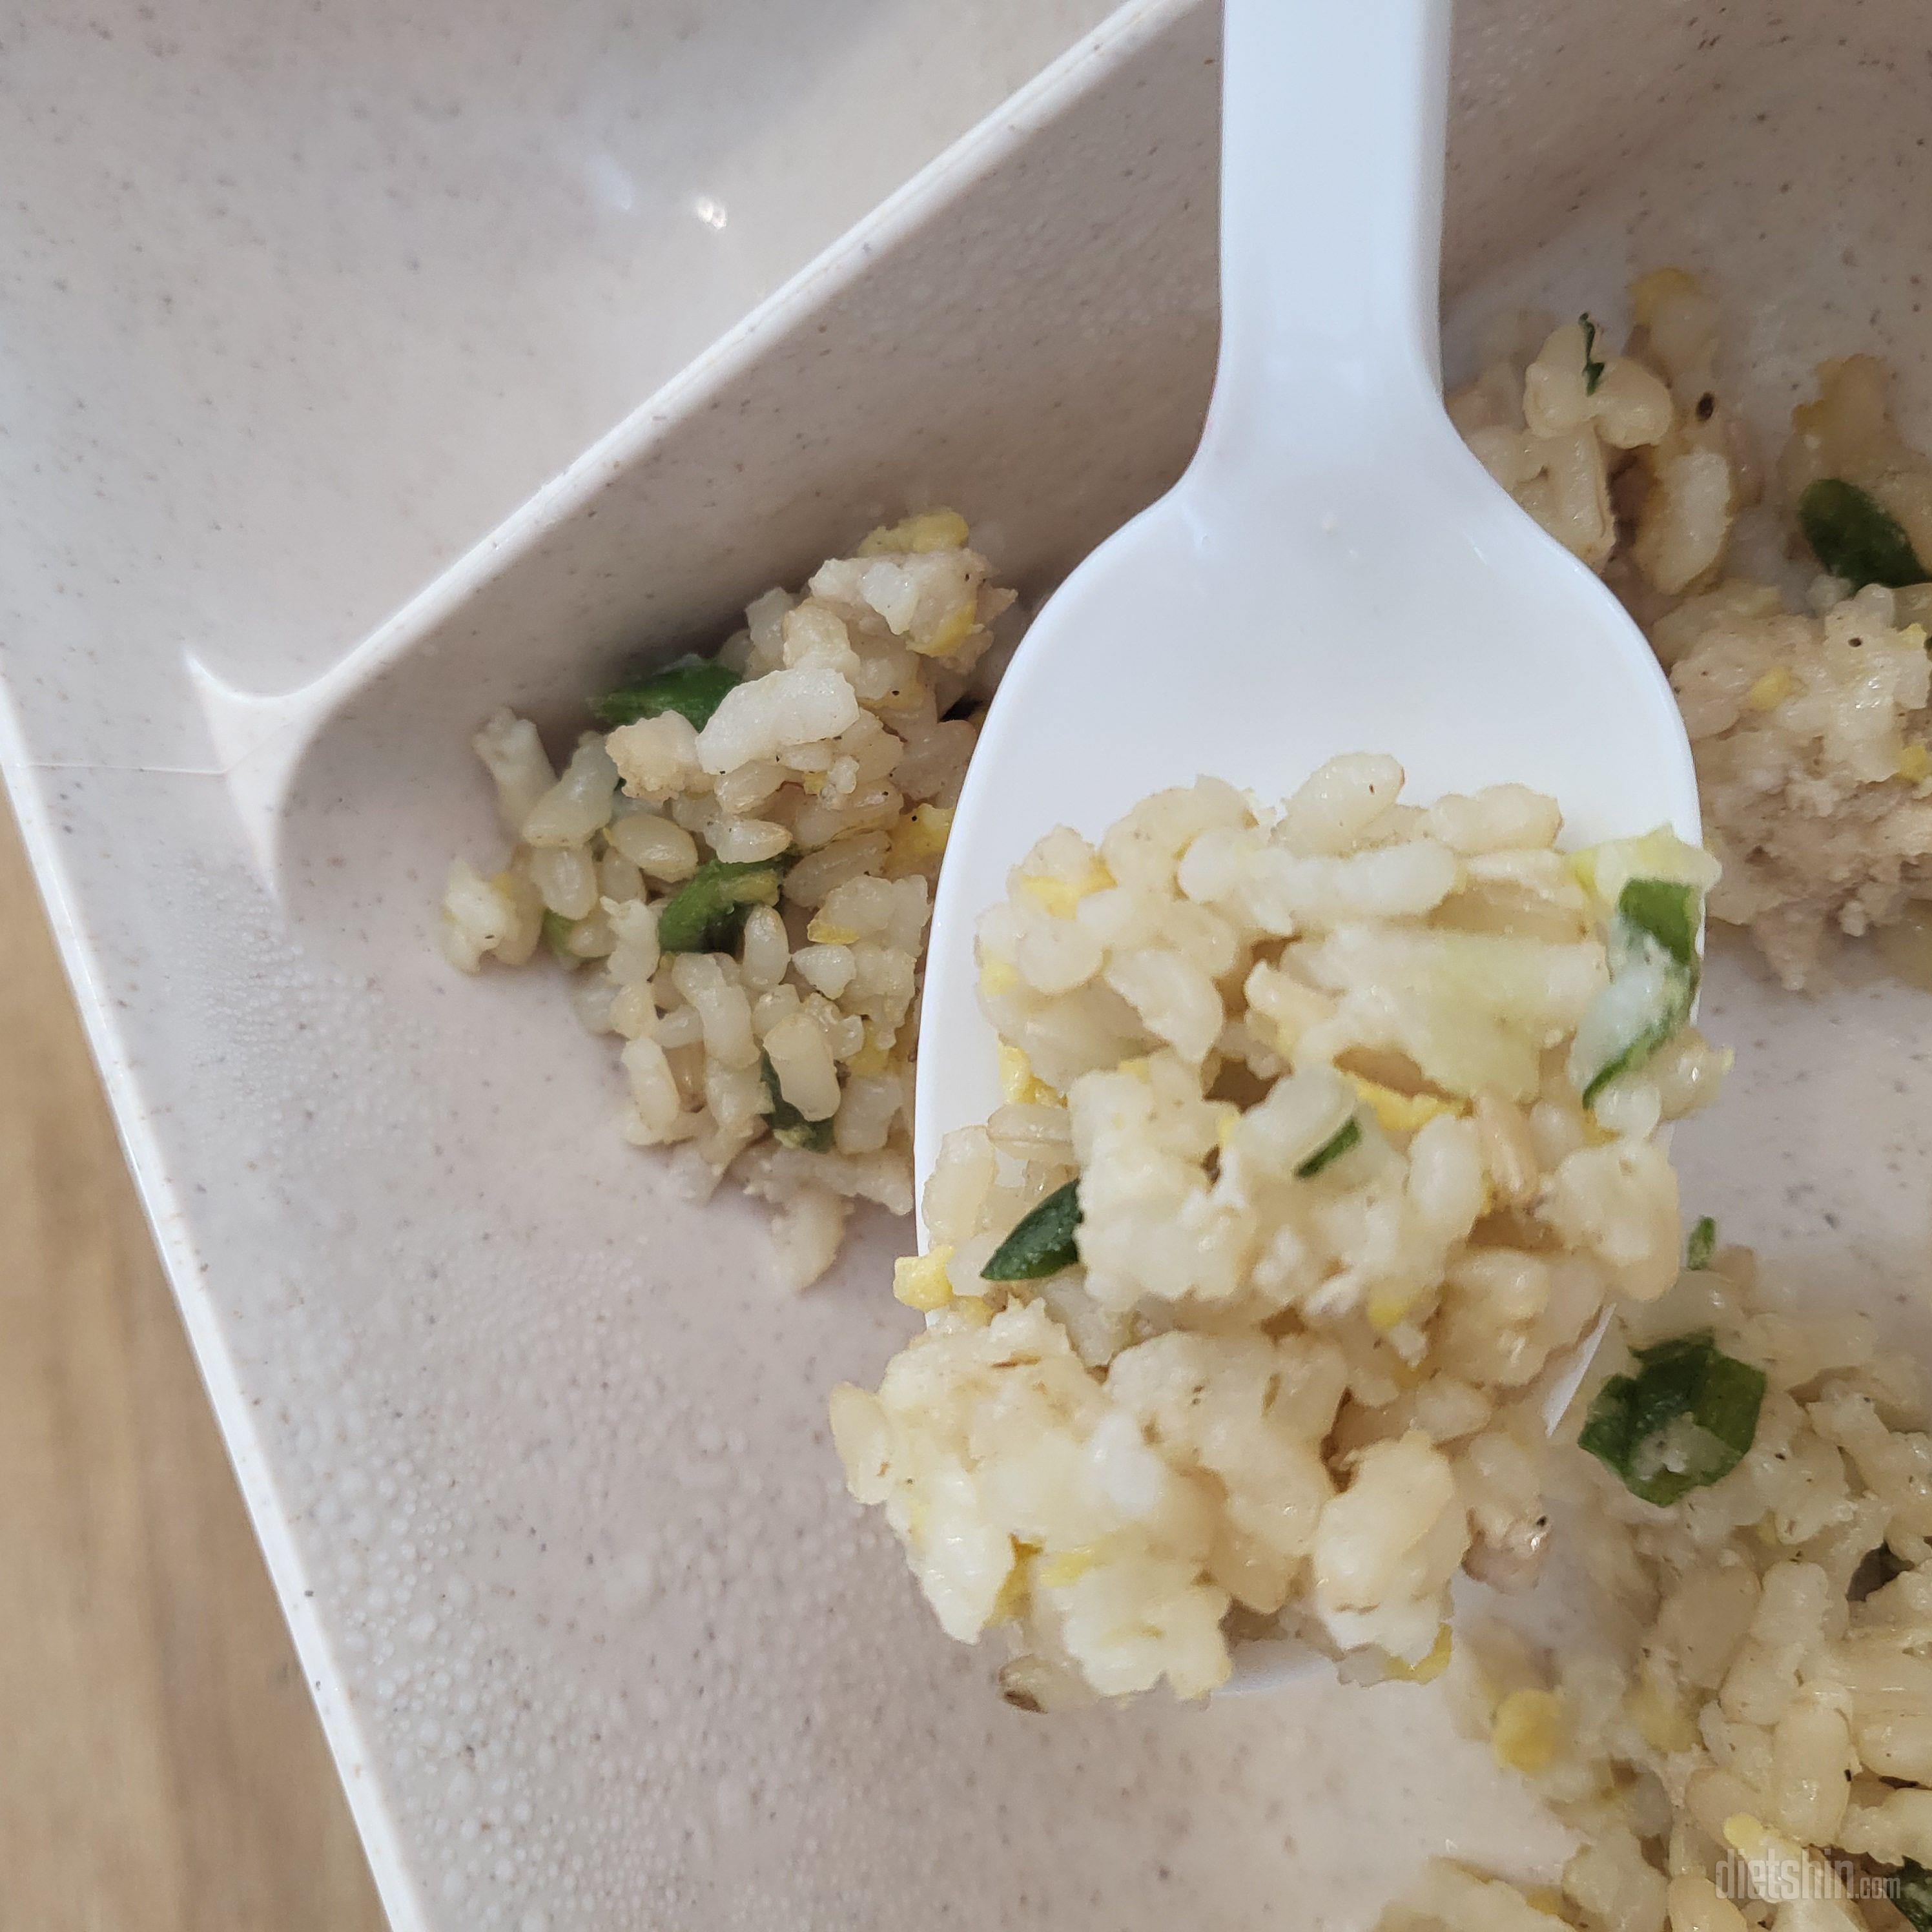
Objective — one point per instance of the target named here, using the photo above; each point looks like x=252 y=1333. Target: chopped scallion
x=1685 y=1419
x=1331 y=1150
x=707 y=913
x=693 y=687
x=1668 y=911
x=1910 y=1889
x=1855 y=537
x=1702 y=1245
x=1654 y=973
x=1041 y=1242
x=787 y=1124
x=1593 y=370
x=556 y=932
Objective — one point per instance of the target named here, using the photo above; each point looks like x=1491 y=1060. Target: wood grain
x=161 y=1769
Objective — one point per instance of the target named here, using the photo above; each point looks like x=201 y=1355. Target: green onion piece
x=1668 y=912
x=693 y=687
x=1683 y=1420
x=556 y=932
x=1041 y=1243
x=1593 y=370
x=1855 y=536
x=787 y=1124
x=1654 y=974
x=707 y=913
x=1331 y=1150
x=1642 y=1008
x=1909 y=1889
x=1702 y=1245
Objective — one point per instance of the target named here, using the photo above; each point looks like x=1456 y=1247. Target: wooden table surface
x=161 y=1769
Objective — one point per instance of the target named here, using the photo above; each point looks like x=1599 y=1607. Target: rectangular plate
x=536 y=1448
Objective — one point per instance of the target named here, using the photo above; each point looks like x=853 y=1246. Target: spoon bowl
x=1336 y=571
x=1241 y=634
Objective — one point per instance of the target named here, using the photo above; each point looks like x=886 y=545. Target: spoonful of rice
x=1335 y=574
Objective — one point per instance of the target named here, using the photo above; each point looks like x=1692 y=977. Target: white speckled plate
x=537 y=1448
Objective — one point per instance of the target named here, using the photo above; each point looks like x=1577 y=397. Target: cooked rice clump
x=767 y=1011
x=1314 y=1073
x=1750 y=1743
x=1809 y=723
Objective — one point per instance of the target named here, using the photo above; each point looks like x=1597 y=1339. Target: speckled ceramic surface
x=537 y=1448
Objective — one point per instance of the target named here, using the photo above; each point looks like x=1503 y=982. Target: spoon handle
x=1334 y=114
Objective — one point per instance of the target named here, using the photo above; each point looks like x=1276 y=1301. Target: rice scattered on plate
x=1808 y=720
x=1749 y=1741
x=1328 y=1133
x=800 y=784
x=737 y=870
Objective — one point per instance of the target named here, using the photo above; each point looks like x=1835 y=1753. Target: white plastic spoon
x=1335 y=572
